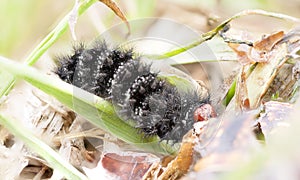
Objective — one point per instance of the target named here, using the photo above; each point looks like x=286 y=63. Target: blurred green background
x=25 y=23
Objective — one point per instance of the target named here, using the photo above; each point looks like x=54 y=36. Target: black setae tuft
x=155 y=106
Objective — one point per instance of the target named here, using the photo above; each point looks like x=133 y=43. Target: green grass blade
x=7 y=82
x=38 y=146
x=229 y=94
x=93 y=108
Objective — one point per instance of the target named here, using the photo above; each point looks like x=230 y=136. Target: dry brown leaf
x=296 y=71
x=231 y=146
x=260 y=79
x=268 y=42
x=275 y=114
x=262 y=76
x=181 y=164
x=284 y=84
x=5 y=136
x=242 y=100
x=260 y=52
x=126 y=167
x=114 y=7
x=12 y=161
x=175 y=168
x=242 y=52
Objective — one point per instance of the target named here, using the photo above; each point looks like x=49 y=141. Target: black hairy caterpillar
x=138 y=93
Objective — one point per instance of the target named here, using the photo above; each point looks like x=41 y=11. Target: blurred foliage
x=15 y=15
x=27 y=22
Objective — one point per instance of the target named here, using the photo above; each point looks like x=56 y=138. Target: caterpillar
x=139 y=94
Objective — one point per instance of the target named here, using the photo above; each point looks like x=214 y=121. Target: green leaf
x=230 y=93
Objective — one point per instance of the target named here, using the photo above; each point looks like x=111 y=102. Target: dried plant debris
x=258 y=51
x=284 y=85
x=273 y=115
x=77 y=149
x=233 y=144
x=114 y=7
x=6 y=139
x=58 y=127
x=177 y=167
x=120 y=161
x=66 y=133
x=260 y=69
x=123 y=163
x=14 y=156
x=126 y=166
x=49 y=118
x=36 y=168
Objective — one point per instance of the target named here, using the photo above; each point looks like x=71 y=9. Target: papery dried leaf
x=279 y=159
x=181 y=164
x=73 y=147
x=261 y=51
x=232 y=145
x=5 y=136
x=59 y=128
x=267 y=43
x=273 y=116
x=12 y=161
x=242 y=100
x=296 y=71
x=242 y=52
x=48 y=117
x=177 y=167
x=37 y=169
x=292 y=38
x=126 y=167
x=73 y=19
x=283 y=85
x=262 y=76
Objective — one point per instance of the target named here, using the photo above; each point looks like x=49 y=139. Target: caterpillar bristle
x=155 y=106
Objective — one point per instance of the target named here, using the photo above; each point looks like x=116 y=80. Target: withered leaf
x=242 y=99
x=268 y=42
x=274 y=114
x=114 y=7
x=126 y=167
x=261 y=49
x=260 y=52
x=242 y=52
